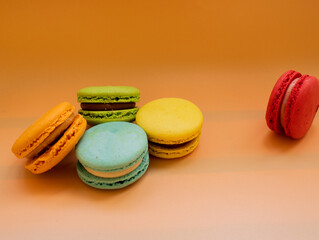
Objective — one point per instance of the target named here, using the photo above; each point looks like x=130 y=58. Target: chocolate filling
x=106 y=106
x=170 y=145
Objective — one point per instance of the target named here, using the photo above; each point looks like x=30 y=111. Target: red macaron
x=293 y=104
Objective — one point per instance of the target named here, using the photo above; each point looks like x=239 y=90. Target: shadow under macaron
x=280 y=143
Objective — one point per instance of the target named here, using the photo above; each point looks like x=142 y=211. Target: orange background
x=242 y=182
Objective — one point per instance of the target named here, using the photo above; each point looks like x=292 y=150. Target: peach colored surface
x=242 y=182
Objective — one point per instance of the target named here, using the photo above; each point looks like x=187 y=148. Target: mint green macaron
x=112 y=155
x=108 y=103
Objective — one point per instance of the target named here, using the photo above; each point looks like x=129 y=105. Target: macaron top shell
x=301 y=107
x=170 y=120
x=33 y=136
x=276 y=98
x=108 y=94
x=111 y=146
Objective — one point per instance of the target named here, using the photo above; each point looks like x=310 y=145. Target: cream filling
x=285 y=100
x=114 y=174
x=52 y=137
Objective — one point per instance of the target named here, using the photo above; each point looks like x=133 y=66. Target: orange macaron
x=49 y=139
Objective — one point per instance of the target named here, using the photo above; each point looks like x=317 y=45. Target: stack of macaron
x=113 y=153
x=108 y=103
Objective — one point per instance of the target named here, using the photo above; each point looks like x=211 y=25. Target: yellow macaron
x=173 y=126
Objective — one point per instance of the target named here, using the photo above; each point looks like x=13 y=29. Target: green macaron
x=108 y=103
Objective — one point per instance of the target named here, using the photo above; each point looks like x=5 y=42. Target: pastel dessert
x=112 y=155
x=48 y=140
x=293 y=104
x=173 y=126
x=108 y=103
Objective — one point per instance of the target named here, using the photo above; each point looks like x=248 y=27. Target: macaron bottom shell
x=113 y=183
x=167 y=152
x=97 y=117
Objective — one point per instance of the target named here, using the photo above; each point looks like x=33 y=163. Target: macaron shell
x=113 y=183
x=60 y=149
x=301 y=107
x=169 y=153
x=170 y=120
x=112 y=146
x=34 y=135
x=276 y=98
x=98 y=117
x=108 y=94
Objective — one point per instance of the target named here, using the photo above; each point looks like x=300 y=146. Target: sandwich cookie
x=48 y=140
x=108 y=103
x=112 y=155
x=293 y=104
x=173 y=126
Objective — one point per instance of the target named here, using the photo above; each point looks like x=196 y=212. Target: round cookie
x=173 y=126
x=293 y=104
x=48 y=140
x=108 y=103
x=112 y=155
